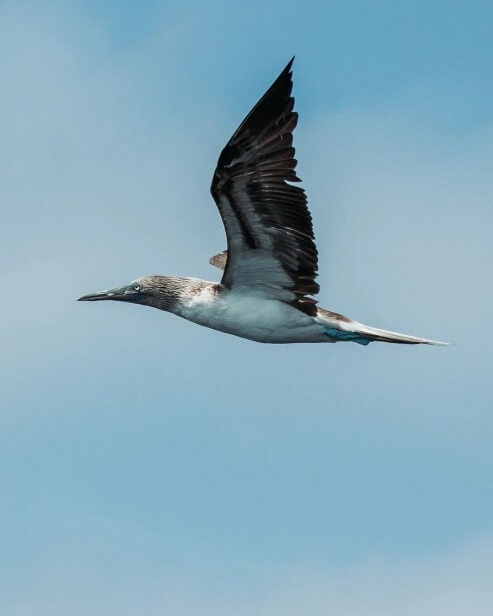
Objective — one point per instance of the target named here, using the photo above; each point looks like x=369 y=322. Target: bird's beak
x=121 y=294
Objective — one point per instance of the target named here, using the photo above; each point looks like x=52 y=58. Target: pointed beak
x=96 y=297
x=121 y=294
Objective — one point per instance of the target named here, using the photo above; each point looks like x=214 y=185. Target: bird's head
x=156 y=291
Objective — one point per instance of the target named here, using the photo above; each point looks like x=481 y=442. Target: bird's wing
x=219 y=260
x=271 y=248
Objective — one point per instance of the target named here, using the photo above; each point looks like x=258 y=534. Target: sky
x=148 y=465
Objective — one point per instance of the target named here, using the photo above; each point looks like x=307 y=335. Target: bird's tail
x=382 y=335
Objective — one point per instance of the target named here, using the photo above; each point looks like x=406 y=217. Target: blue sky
x=147 y=464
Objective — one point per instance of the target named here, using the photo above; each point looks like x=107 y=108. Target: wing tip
x=288 y=69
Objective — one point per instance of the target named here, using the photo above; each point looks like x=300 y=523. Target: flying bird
x=270 y=265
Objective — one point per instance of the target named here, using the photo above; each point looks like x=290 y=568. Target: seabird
x=270 y=265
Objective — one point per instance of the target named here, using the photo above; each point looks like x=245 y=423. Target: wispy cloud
x=80 y=580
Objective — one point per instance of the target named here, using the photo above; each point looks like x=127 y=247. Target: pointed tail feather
x=382 y=335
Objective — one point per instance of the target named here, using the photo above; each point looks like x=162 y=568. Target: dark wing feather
x=271 y=246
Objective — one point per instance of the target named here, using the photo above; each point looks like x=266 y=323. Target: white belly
x=252 y=317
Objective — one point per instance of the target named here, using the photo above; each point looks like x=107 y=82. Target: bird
x=271 y=262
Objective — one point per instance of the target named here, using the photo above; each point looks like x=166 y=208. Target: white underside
x=253 y=317
x=257 y=317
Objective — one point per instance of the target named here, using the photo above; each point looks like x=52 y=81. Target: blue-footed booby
x=270 y=265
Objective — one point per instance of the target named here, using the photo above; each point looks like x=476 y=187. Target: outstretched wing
x=271 y=248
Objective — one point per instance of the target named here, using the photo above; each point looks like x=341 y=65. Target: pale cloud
x=80 y=580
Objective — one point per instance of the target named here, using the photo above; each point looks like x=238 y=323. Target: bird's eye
x=136 y=287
